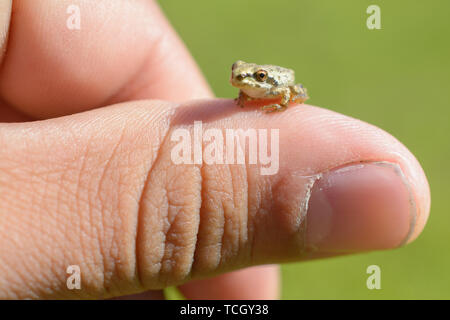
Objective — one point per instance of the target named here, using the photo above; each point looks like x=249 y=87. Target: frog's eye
x=240 y=77
x=261 y=75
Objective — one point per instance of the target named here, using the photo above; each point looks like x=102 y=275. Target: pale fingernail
x=360 y=207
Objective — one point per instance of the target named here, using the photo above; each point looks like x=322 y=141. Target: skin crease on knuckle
x=212 y=219
x=205 y=219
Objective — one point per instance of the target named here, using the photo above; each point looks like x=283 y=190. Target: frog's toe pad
x=300 y=98
x=273 y=108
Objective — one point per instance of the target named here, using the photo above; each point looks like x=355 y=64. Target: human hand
x=99 y=189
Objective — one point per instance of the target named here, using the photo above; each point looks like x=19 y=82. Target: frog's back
x=281 y=76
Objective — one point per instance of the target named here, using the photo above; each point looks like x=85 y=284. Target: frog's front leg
x=240 y=100
x=299 y=94
x=285 y=94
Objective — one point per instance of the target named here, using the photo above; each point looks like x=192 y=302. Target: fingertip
x=360 y=207
x=336 y=140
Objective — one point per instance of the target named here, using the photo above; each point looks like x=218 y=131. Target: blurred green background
x=397 y=78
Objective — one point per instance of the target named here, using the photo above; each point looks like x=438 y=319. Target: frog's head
x=249 y=76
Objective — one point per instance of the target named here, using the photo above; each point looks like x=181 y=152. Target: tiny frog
x=266 y=82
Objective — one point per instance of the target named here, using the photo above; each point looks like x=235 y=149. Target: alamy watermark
x=74 y=280
x=374 y=280
x=73 y=22
x=374 y=20
x=227 y=149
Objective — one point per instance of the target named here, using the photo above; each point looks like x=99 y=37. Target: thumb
x=104 y=190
